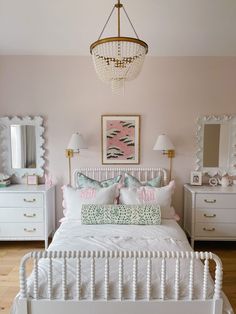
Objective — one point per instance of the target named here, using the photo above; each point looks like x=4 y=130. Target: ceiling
x=67 y=27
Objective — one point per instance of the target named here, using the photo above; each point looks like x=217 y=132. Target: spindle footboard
x=35 y=304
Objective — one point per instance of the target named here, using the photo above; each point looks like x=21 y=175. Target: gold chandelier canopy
x=118 y=59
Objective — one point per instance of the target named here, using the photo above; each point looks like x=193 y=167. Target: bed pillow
x=150 y=195
x=85 y=182
x=75 y=198
x=132 y=182
x=121 y=214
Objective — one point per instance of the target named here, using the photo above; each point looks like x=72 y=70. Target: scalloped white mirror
x=22 y=141
x=216 y=139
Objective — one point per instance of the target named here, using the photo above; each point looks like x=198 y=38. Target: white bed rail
x=149 y=256
x=104 y=173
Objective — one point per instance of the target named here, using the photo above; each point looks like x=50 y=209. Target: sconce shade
x=76 y=142
x=163 y=143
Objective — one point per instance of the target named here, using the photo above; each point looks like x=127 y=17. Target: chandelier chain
x=109 y=17
x=107 y=21
x=130 y=22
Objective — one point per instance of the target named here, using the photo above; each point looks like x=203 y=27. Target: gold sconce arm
x=170 y=154
x=70 y=154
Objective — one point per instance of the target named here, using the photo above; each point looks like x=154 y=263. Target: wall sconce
x=164 y=144
x=76 y=143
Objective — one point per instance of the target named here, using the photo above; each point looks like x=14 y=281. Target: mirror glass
x=216 y=145
x=23 y=146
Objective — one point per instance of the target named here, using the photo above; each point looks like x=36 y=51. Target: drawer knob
x=210 y=216
x=29 y=201
x=29 y=215
x=209 y=229
x=29 y=230
x=210 y=201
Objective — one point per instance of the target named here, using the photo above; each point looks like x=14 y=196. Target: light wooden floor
x=11 y=253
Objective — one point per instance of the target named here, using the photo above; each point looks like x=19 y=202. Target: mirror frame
x=201 y=121
x=5 y=123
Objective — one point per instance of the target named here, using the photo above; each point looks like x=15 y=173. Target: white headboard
x=105 y=173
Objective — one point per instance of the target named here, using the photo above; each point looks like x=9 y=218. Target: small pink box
x=32 y=180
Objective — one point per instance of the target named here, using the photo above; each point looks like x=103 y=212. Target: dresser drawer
x=212 y=200
x=215 y=230
x=21 y=215
x=24 y=200
x=18 y=230
x=216 y=215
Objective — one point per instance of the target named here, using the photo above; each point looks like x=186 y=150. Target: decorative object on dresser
x=213 y=181
x=32 y=180
x=27 y=213
x=22 y=146
x=48 y=180
x=196 y=178
x=5 y=180
x=164 y=144
x=118 y=59
x=120 y=139
x=210 y=212
x=224 y=181
x=76 y=143
x=216 y=144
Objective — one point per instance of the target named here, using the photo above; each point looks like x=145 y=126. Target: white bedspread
x=168 y=236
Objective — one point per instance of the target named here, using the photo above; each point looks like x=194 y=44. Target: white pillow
x=75 y=198
x=150 y=195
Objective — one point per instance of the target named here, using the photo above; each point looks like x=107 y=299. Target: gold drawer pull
x=30 y=201
x=209 y=229
x=210 y=201
x=210 y=216
x=29 y=215
x=29 y=230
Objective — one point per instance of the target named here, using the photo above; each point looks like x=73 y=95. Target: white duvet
x=73 y=236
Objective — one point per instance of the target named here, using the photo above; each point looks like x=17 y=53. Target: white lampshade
x=76 y=142
x=163 y=143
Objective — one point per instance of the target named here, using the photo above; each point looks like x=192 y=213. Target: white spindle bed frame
x=36 y=305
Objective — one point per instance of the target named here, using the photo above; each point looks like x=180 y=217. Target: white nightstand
x=210 y=212
x=27 y=212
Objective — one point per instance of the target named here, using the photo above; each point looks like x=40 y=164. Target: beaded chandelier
x=118 y=59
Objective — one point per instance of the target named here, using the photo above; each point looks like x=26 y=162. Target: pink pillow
x=151 y=195
x=73 y=199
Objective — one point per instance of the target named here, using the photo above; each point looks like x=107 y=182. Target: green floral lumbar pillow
x=132 y=182
x=85 y=182
x=93 y=214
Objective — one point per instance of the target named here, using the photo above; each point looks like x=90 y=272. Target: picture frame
x=120 y=139
x=32 y=180
x=196 y=178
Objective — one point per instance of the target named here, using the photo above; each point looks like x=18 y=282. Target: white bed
x=74 y=237
x=151 y=280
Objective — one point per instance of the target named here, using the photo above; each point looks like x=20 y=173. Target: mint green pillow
x=132 y=182
x=85 y=182
x=94 y=214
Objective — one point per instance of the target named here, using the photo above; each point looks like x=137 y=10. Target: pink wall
x=169 y=94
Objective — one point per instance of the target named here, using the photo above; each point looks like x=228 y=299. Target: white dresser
x=27 y=212
x=210 y=212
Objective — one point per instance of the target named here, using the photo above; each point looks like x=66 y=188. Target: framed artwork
x=196 y=178
x=120 y=139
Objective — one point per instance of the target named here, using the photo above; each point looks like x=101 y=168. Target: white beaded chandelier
x=118 y=59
